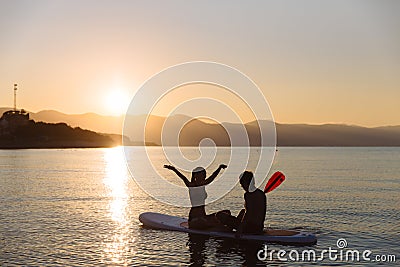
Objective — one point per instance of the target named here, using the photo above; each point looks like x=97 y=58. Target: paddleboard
x=173 y=223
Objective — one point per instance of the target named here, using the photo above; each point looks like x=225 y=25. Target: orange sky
x=333 y=62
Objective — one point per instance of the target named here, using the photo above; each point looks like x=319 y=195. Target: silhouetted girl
x=198 y=219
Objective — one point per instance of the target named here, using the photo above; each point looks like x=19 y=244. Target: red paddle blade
x=273 y=182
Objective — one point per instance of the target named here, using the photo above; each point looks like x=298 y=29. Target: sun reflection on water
x=116 y=181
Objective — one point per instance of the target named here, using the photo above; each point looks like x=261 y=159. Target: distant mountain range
x=196 y=130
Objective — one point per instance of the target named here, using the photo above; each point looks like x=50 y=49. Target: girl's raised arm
x=214 y=175
x=180 y=175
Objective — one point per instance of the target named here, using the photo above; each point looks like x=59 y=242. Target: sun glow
x=117 y=101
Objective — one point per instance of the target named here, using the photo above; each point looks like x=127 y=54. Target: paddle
x=273 y=182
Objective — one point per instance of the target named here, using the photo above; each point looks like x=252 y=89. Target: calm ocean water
x=80 y=207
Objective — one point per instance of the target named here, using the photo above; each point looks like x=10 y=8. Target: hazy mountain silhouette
x=92 y=121
x=287 y=134
x=336 y=135
x=196 y=130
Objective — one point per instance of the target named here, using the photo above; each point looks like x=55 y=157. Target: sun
x=117 y=101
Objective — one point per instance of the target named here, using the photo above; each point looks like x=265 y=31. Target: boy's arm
x=242 y=225
x=244 y=219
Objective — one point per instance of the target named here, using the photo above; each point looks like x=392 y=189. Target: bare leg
x=228 y=220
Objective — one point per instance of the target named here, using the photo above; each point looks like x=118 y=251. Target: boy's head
x=199 y=174
x=245 y=180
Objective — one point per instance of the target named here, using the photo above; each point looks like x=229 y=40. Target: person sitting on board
x=198 y=219
x=251 y=219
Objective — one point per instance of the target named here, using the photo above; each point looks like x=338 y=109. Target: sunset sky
x=315 y=61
